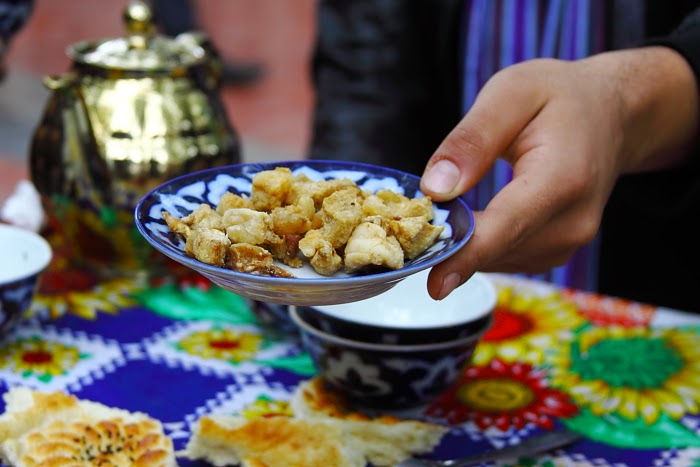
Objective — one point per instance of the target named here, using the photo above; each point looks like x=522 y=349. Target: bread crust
x=56 y=429
x=278 y=441
x=323 y=431
x=384 y=440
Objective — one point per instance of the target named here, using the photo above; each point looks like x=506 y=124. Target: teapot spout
x=58 y=82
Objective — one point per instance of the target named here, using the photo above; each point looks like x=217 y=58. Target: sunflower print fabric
x=178 y=347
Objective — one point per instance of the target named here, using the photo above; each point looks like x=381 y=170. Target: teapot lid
x=141 y=50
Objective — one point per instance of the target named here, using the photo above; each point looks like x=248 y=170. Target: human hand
x=568 y=129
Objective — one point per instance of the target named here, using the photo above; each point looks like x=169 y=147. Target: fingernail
x=441 y=177
x=451 y=282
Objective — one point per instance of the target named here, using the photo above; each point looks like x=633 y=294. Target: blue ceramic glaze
x=182 y=195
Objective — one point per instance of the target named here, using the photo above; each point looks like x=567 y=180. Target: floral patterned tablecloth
x=181 y=348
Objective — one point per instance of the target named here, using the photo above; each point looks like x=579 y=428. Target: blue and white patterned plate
x=182 y=195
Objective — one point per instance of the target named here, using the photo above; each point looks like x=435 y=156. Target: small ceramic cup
x=385 y=376
x=407 y=315
x=23 y=257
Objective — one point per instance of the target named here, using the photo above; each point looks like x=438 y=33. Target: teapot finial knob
x=138 y=18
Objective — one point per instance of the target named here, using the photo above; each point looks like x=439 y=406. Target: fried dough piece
x=317 y=221
x=286 y=250
x=270 y=188
x=381 y=221
x=208 y=246
x=392 y=205
x=254 y=259
x=56 y=429
x=249 y=226
x=317 y=190
x=341 y=213
x=270 y=442
x=375 y=206
x=369 y=245
x=287 y=214
x=415 y=234
x=320 y=252
x=176 y=225
x=383 y=440
x=204 y=217
x=231 y=200
x=294 y=219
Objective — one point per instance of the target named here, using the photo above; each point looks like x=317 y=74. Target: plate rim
x=385 y=276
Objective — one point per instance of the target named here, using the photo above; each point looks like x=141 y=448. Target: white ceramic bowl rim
x=294 y=313
x=408 y=306
x=23 y=253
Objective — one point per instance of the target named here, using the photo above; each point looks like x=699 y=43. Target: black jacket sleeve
x=649 y=243
x=685 y=40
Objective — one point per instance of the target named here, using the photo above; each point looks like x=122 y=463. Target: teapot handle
x=213 y=61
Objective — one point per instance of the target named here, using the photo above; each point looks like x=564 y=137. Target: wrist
x=657 y=96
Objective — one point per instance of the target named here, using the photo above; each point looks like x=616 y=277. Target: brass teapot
x=131 y=113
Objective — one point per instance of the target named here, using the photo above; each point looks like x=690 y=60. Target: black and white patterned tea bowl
x=182 y=195
x=385 y=376
x=23 y=257
x=407 y=315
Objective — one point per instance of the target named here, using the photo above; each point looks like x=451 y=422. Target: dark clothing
x=386 y=73
x=650 y=237
x=388 y=92
x=13 y=15
x=174 y=17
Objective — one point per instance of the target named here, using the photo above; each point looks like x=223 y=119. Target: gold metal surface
x=112 y=131
x=138 y=18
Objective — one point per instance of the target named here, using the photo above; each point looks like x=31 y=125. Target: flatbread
x=56 y=429
x=322 y=432
x=278 y=441
x=384 y=440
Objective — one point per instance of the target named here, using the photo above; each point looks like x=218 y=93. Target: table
x=624 y=374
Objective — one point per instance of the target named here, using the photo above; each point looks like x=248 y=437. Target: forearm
x=657 y=101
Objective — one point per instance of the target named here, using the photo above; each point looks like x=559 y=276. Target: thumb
x=505 y=105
